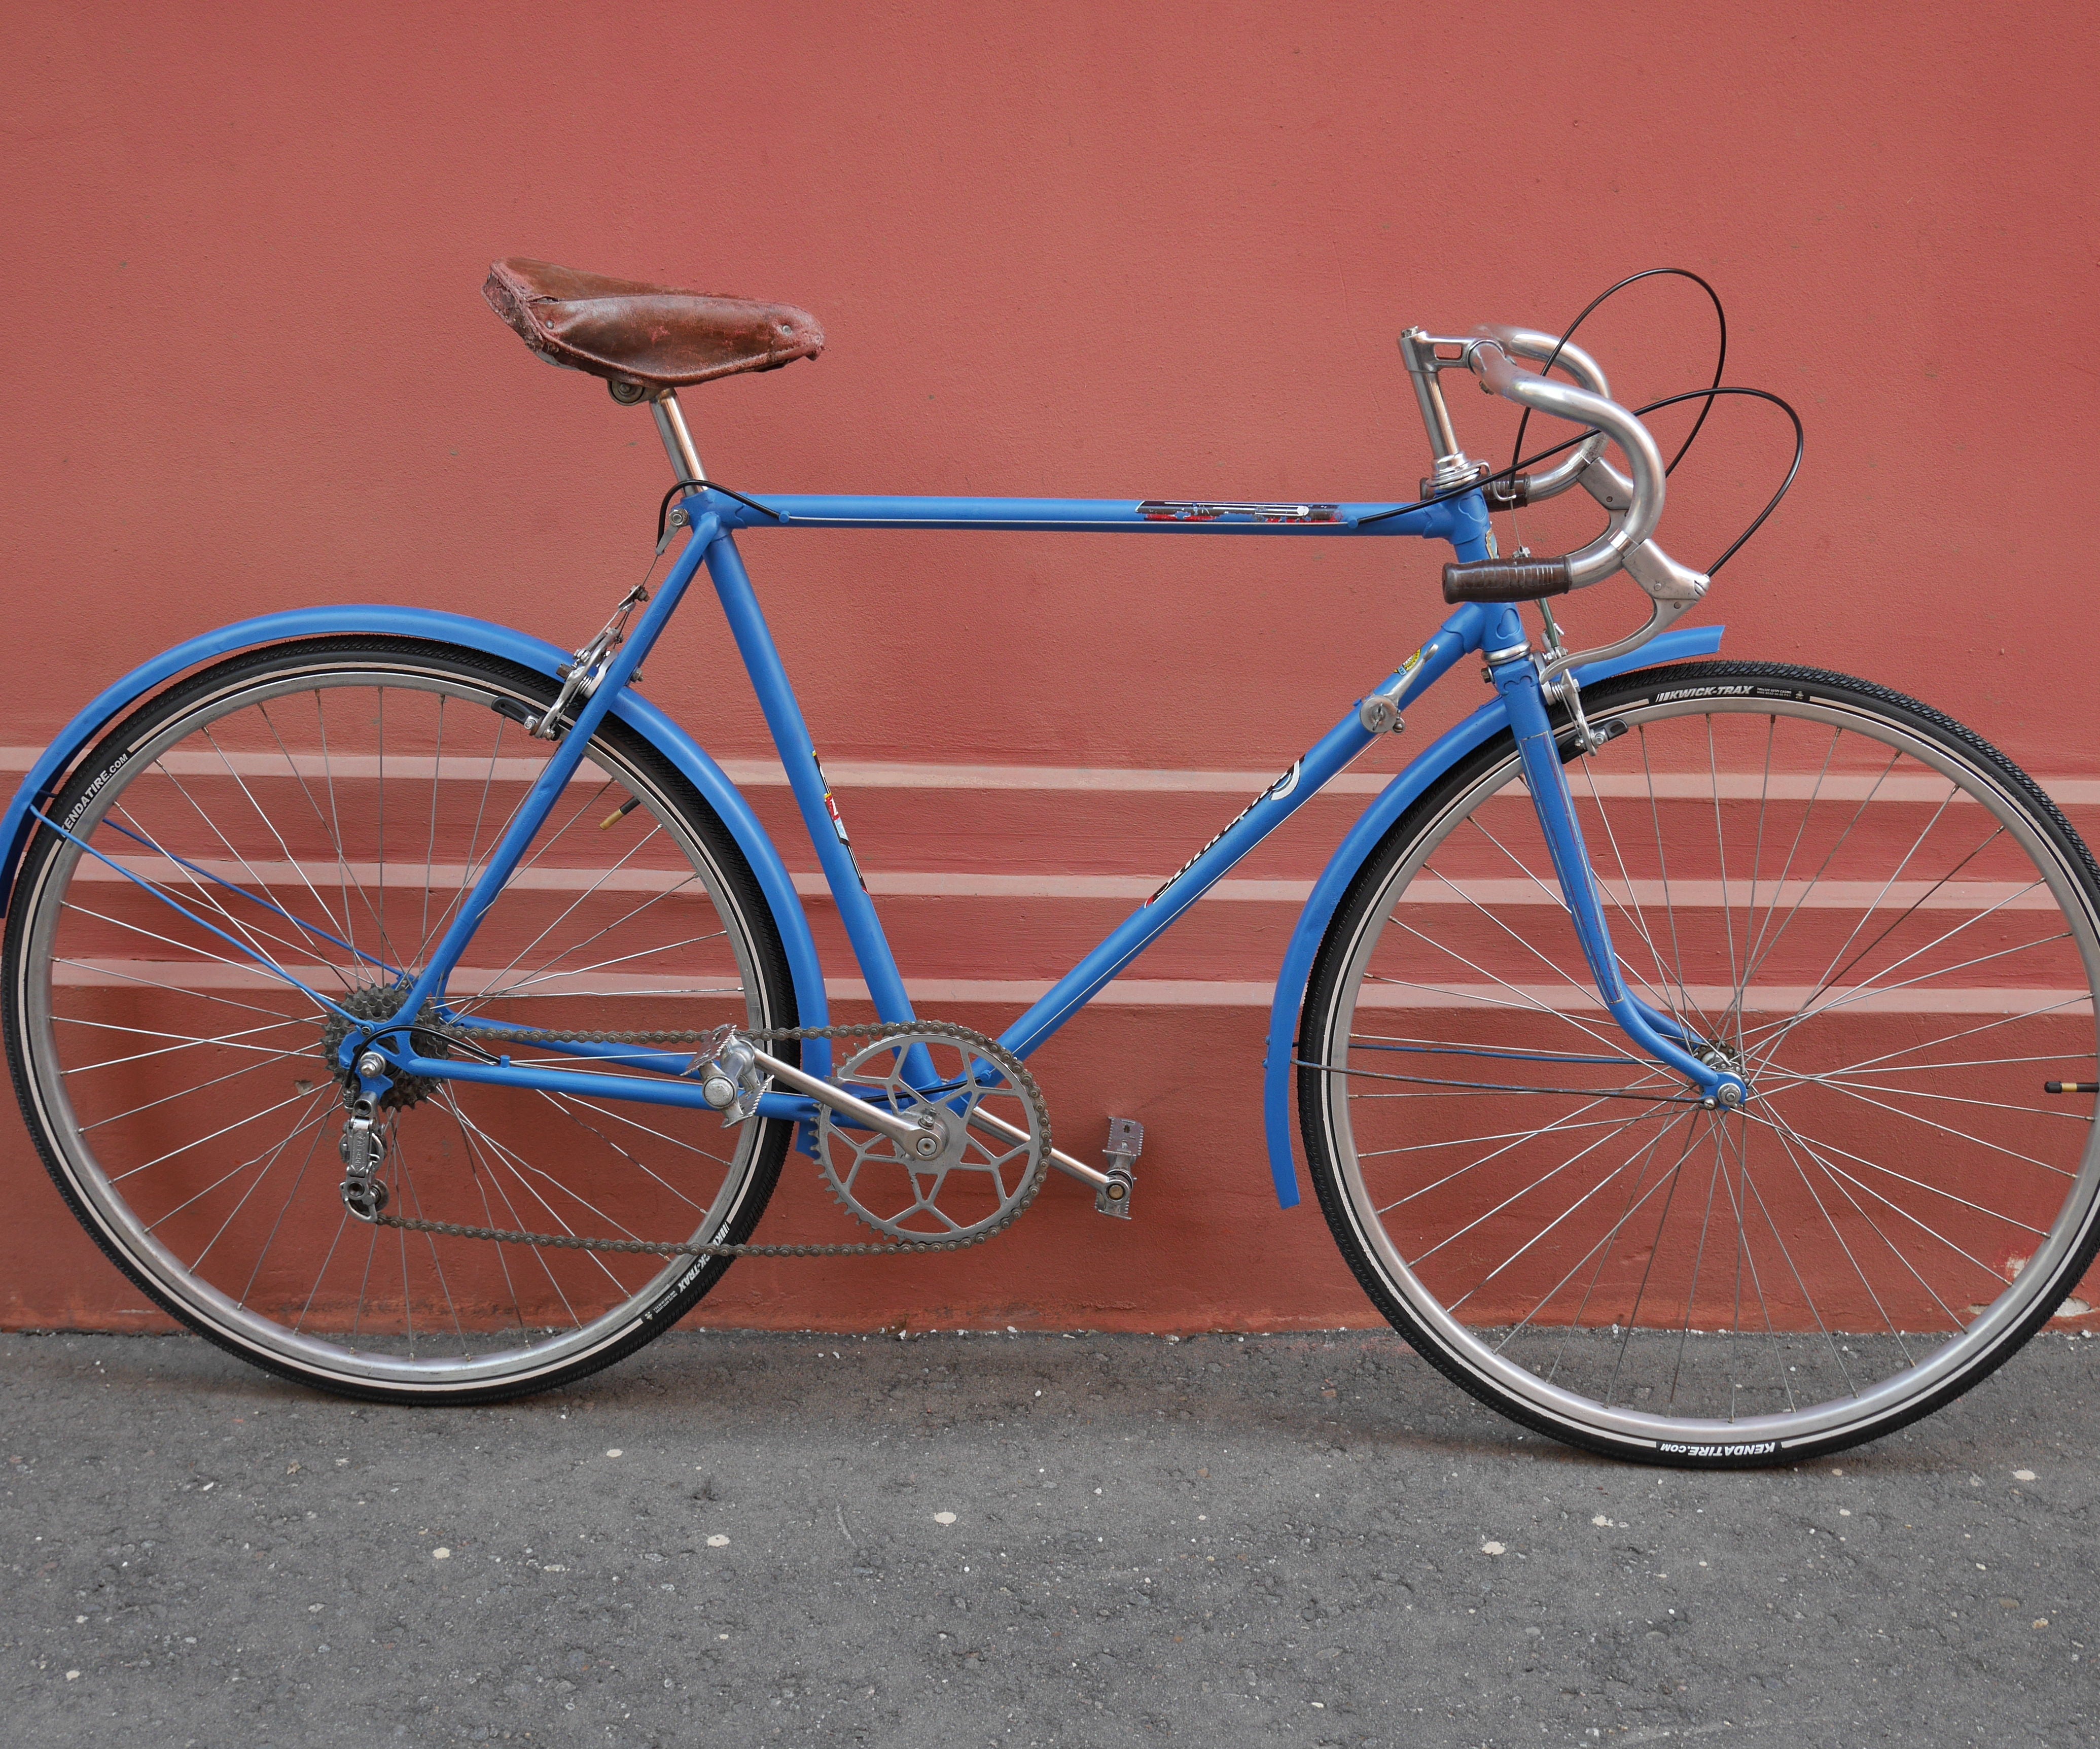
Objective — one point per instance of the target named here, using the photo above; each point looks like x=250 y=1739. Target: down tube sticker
x=838 y=822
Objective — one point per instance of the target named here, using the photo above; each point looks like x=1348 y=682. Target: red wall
x=1082 y=249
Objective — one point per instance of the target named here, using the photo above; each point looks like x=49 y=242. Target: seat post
x=678 y=440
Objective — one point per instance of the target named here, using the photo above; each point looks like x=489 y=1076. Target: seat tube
x=798 y=754
x=1515 y=677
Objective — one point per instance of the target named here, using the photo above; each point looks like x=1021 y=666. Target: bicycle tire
x=321 y=805
x=1906 y=946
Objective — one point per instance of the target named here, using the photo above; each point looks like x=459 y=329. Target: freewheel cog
x=983 y=1146
x=374 y=1004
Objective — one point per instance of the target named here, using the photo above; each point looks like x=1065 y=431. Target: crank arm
x=981 y=1118
x=899 y=1129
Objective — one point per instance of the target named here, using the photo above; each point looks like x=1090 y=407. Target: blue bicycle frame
x=712 y=519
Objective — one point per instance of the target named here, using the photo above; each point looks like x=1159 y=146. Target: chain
x=1009 y=1065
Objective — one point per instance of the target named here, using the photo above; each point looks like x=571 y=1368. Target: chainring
x=985 y=1171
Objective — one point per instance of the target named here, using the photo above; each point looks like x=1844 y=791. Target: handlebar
x=1634 y=506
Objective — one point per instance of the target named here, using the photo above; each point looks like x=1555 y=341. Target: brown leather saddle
x=656 y=336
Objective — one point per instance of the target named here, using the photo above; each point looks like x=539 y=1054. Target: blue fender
x=637 y=713
x=1393 y=801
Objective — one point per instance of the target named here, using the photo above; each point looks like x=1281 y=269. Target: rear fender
x=79 y=737
x=1392 y=802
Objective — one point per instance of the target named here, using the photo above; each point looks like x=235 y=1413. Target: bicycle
x=1666 y=1037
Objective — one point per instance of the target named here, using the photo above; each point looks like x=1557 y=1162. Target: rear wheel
x=1880 y=922
x=304 y=822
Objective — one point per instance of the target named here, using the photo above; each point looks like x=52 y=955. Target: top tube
x=1455 y=519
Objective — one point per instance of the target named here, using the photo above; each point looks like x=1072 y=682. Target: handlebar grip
x=1507 y=580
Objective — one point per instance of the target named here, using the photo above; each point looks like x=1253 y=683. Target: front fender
x=1393 y=801
x=50 y=772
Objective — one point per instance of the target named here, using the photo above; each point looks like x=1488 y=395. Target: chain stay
x=1009 y=1065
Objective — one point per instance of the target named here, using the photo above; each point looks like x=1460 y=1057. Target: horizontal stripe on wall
x=1132 y=993
x=873 y=774
x=1695 y=894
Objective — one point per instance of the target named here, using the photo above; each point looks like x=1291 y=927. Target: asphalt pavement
x=1001 y=1541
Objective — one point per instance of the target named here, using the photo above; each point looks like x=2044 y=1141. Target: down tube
x=1340 y=745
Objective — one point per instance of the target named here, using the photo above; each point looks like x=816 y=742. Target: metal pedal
x=1126 y=1142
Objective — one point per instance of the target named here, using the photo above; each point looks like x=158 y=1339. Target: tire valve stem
x=2070 y=1087
x=620 y=813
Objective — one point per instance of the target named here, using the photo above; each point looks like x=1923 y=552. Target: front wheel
x=270 y=849
x=1872 y=916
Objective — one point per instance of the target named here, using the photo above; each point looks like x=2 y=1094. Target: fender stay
x=51 y=770
x=1393 y=801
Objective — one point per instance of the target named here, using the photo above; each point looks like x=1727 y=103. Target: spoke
x=1416 y=1262
x=1750 y=1189
x=1553 y=897
x=269 y=1164
x=546 y=970
x=271 y=826
x=1438 y=1048
x=1728 y=931
x=256 y=956
x=1866 y=991
x=1768 y=948
x=621 y=1117
x=485 y=1176
x=345 y=873
x=1832 y=972
x=584 y=971
x=1837 y=1171
x=1673 y=1178
x=299 y=777
x=1565 y=1214
x=1492 y=1087
x=430 y=845
x=639 y=1165
x=185 y=1093
x=197 y=871
x=386 y=941
x=1750 y=905
x=228 y=1042
x=1467 y=1141
x=413 y=1199
x=365 y=1283
x=1706 y=1219
x=130 y=978
x=562 y=916
x=235 y=1172
x=1458 y=891
x=1679 y=1009
x=1841 y=1085
x=255 y=1117
x=291 y=1195
x=1524 y=1001
x=1755 y=954
x=1662 y=867
x=519 y=994
x=342 y=1226
x=1558 y=1124
x=212 y=825
x=1602 y=1244
x=1959 y=1135
x=251 y=939
x=524 y=1172
x=1961 y=1062
x=1837 y=1350
x=1786 y=1140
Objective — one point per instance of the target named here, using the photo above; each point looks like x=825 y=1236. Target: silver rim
x=1875 y=929
x=329 y=816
